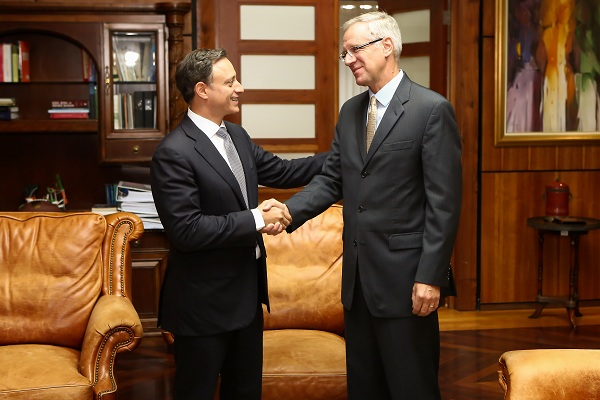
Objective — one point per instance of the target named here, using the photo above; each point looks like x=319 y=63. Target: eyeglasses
x=354 y=49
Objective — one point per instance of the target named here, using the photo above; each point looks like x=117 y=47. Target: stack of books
x=137 y=198
x=69 y=109
x=8 y=108
x=14 y=62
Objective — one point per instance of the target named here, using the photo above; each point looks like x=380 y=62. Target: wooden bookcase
x=62 y=37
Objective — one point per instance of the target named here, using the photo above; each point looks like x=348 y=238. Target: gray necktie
x=371 y=121
x=234 y=161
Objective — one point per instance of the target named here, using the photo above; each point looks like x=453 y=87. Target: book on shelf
x=138 y=109
x=69 y=115
x=8 y=115
x=8 y=101
x=68 y=110
x=87 y=66
x=6 y=62
x=151 y=222
x=1 y=63
x=134 y=192
x=24 y=66
x=138 y=207
x=110 y=190
x=104 y=209
x=15 y=61
x=149 y=109
x=76 y=103
x=93 y=102
x=117 y=116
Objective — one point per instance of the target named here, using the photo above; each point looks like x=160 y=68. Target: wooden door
x=307 y=95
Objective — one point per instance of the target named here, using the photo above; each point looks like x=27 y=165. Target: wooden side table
x=573 y=228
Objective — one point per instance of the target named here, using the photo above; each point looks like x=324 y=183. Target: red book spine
x=24 y=65
x=68 y=115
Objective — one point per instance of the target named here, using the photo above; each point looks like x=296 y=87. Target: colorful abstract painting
x=548 y=70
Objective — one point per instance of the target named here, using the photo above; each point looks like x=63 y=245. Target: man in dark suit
x=402 y=199
x=205 y=177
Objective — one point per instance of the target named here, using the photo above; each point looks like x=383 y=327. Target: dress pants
x=236 y=356
x=390 y=358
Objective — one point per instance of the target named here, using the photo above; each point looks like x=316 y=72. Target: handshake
x=276 y=216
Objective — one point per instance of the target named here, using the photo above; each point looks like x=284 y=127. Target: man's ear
x=200 y=90
x=388 y=47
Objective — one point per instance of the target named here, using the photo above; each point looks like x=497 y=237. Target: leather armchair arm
x=114 y=326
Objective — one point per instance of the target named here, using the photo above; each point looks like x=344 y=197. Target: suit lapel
x=361 y=124
x=392 y=115
x=209 y=152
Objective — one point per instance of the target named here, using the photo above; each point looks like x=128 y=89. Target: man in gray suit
x=402 y=199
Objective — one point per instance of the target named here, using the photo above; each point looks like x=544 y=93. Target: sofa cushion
x=41 y=372
x=304 y=365
x=305 y=275
x=42 y=261
x=550 y=374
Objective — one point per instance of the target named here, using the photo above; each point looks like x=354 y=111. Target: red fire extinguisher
x=557 y=199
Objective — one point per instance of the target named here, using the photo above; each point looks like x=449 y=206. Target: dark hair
x=196 y=66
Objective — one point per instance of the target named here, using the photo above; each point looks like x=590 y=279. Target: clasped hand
x=276 y=216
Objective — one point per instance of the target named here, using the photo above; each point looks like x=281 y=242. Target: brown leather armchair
x=550 y=374
x=304 y=348
x=65 y=308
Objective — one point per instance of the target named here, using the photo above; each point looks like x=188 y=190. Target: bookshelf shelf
x=49 y=126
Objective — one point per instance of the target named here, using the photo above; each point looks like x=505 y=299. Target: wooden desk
x=571 y=229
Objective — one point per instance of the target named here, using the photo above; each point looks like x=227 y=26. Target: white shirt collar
x=384 y=96
x=205 y=125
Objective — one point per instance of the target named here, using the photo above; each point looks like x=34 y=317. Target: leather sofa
x=550 y=374
x=65 y=309
x=304 y=348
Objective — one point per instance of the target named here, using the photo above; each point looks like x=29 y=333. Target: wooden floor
x=471 y=344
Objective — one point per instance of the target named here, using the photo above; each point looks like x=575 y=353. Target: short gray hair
x=381 y=25
x=196 y=66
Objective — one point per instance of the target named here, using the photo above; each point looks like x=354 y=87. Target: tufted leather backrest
x=53 y=268
x=304 y=270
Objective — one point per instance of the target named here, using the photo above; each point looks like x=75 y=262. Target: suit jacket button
x=361 y=209
x=354 y=243
x=364 y=174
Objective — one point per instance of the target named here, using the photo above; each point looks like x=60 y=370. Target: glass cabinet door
x=134 y=80
x=135 y=89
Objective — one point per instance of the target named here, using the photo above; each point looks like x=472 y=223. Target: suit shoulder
x=426 y=92
x=355 y=101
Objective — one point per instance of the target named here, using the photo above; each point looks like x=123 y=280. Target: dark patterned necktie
x=234 y=161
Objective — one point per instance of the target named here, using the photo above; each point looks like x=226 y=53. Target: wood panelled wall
x=512 y=185
x=464 y=95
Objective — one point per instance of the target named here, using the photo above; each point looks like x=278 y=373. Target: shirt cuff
x=258 y=219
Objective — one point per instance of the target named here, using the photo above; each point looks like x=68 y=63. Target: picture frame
x=547 y=74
